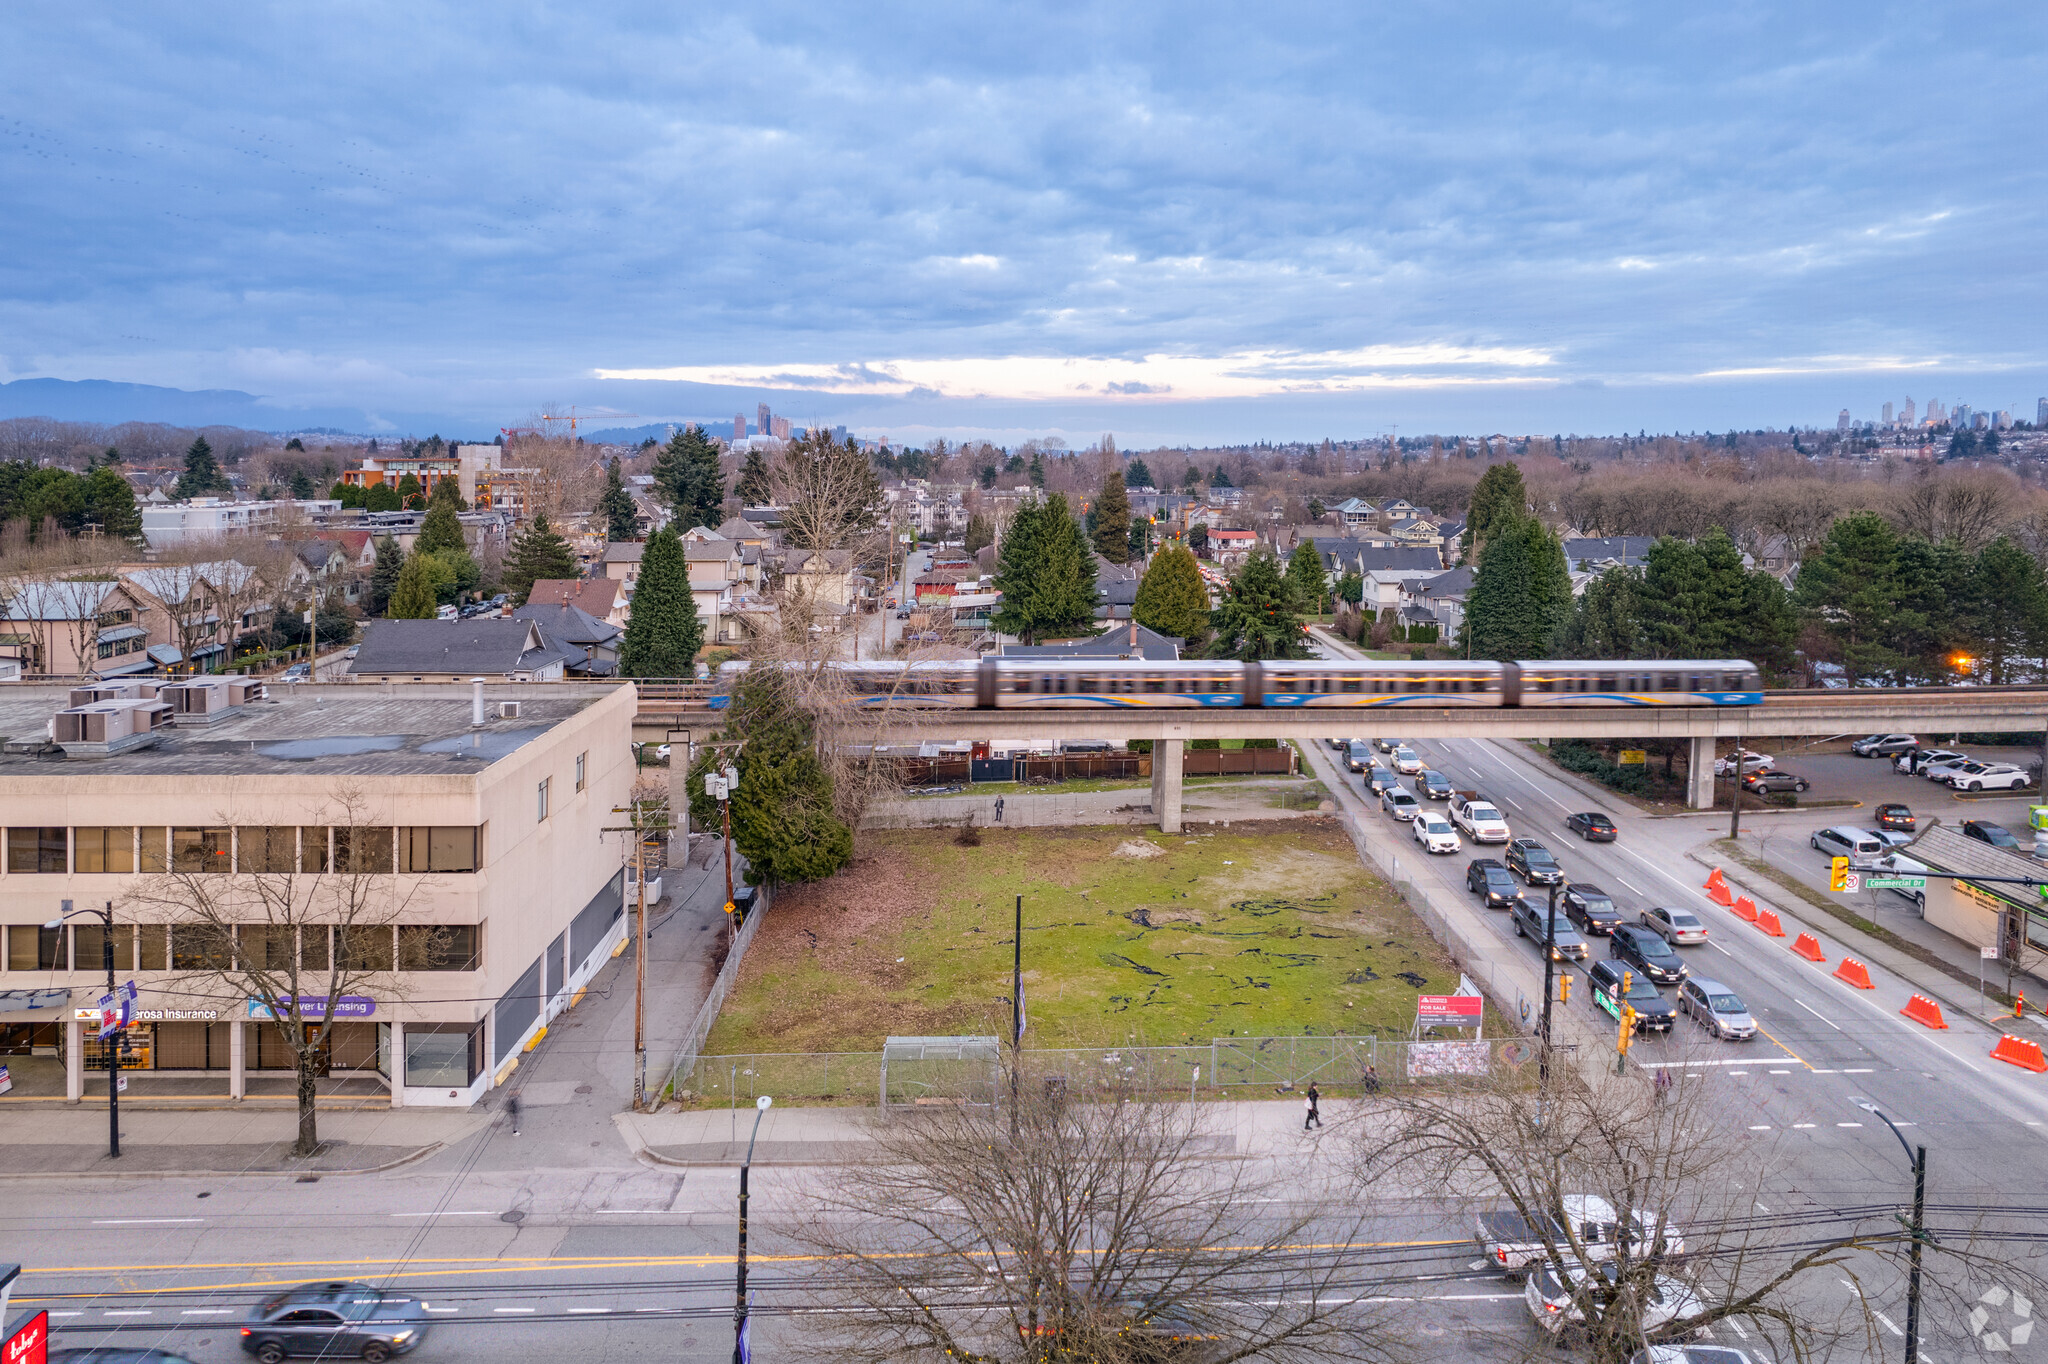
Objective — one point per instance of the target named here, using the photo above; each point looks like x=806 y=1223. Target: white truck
x=1476 y=815
x=1510 y=1244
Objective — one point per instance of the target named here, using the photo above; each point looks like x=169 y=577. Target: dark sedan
x=1485 y=876
x=1534 y=862
x=1592 y=826
x=1896 y=817
x=1591 y=908
x=333 y=1320
x=1646 y=951
x=1997 y=835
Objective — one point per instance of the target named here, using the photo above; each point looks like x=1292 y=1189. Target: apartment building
x=467 y=820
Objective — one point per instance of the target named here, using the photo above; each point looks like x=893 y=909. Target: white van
x=1860 y=846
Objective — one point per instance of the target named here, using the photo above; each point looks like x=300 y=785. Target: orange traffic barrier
x=1768 y=922
x=1855 y=972
x=1921 y=1009
x=1808 y=947
x=1716 y=881
x=2020 y=1052
x=1745 y=907
x=1717 y=889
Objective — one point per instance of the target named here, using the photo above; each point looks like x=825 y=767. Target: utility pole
x=1016 y=1013
x=720 y=785
x=641 y=826
x=1735 y=816
x=111 y=1036
x=1549 y=985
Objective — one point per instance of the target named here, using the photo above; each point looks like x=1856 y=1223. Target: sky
x=1174 y=223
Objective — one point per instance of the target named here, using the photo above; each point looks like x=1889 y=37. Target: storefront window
x=36 y=850
x=109 y=849
x=443 y=1055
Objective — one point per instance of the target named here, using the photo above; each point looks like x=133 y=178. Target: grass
x=1081 y=785
x=1258 y=931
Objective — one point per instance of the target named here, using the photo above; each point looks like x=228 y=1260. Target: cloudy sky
x=1171 y=222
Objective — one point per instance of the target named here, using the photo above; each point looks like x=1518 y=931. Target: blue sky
x=1170 y=222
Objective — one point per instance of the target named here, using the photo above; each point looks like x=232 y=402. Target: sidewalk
x=73 y=1141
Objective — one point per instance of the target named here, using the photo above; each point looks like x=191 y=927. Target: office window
x=201 y=947
x=361 y=849
x=269 y=848
x=89 y=947
x=31 y=947
x=582 y=762
x=154 y=845
x=153 y=947
x=105 y=849
x=544 y=798
x=441 y=847
x=313 y=947
x=265 y=947
x=313 y=856
x=364 y=947
x=201 y=850
x=438 y=947
x=36 y=850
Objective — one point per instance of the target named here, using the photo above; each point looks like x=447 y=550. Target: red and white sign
x=1452 y=1011
x=30 y=1342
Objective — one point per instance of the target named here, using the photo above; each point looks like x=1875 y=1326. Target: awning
x=208 y=650
x=165 y=654
x=122 y=632
x=49 y=1005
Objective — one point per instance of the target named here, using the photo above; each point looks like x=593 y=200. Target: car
x=1386 y=745
x=1592 y=826
x=1883 y=745
x=1676 y=926
x=298 y=672
x=1612 y=984
x=1532 y=920
x=1490 y=880
x=332 y=1320
x=1997 y=835
x=1716 y=1008
x=1358 y=756
x=1992 y=776
x=1646 y=950
x=1893 y=815
x=1898 y=864
x=1407 y=762
x=1534 y=863
x=1434 y=785
x=1555 y=1310
x=1339 y=745
x=1435 y=833
x=1378 y=779
x=1773 y=780
x=1690 y=1354
x=1891 y=838
x=1590 y=907
x=1843 y=841
x=1915 y=761
x=115 y=1354
x=903 y=615
x=1400 y=802
x=1941 y=772
x=1751 y=760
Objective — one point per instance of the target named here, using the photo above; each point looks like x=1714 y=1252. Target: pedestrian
x=999 y=809
x=1315 y=1116
x=512 y=1107
x=1372 y=1079
x=1663 y=1082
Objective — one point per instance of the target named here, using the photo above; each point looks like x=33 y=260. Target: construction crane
x=572 y=416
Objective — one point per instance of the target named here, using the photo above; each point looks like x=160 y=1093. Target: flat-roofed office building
x=473 y=831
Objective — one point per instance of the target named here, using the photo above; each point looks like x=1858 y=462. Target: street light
x=113 y=1038
x=740 y=1344
x=1917 y=1158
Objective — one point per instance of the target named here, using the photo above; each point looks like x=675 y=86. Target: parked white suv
x=1989 y=777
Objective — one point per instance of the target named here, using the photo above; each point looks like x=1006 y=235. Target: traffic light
x=1628 y=1029
x=1838 y=873
x=1628 y=983
x=1564 y=989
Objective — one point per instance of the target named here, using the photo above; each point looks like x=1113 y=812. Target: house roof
x=625 y=552
x=709 y=551
x=1624 y=549
x=67 y=599
x=481 y=644
x=597 y=596
x=1126 y=639
x=582 y=638
x=1444 y=586
x=800 y=560
x=739 y=528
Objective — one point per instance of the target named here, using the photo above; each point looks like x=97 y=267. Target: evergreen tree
x=980 y=534
x=1138 y=475
x=1306 y=578
x=110 y=504
x=2010 y=609
x=381 y=497
x=1849 y=588
x=1351 y=587
x=1692 y=598
x=688 y=477
x=440 y=532
x=1045 y=572
x=1219 y=479
x=751 y=487
x=621 y=518
x=1935 y=601
x=202 y=476
x=1607 y=621
x=414 y=597
x=1113 y=520
x=110 y=455
x=1550 y=586
x=1498 y=496
x=1257 y=617
x=1037 y=469
x=537 y=552
x=302 y=487
x=384 y=574
x=1141 y=539
x=448 y=492
x=1173 y=599
x=1521 y=598
x=663 y=633
x=409 y=493
x=1190 y=481
x=1771 y=624
x=783 y=820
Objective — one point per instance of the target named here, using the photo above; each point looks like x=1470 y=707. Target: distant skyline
x=1175 y=223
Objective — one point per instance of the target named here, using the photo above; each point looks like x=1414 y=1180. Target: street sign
x=1988 y=953
x=1853 y=881
x=1632 y=757
x=1895 y=882
x=1456 y=1011
x=6 y=1080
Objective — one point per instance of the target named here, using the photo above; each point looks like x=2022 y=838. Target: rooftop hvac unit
x=508 y=710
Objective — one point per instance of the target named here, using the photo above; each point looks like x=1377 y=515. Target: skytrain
x=996 y=683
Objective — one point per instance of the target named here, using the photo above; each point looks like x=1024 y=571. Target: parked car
x=1893 y=815
x=1490 y=880
x=1434 y=785
x=1407 y=762
x=1676 y=926
x=1400 y=802
x=1716 y=1008
x=298 y=672
x=1590 y=907
x=1773 y=780
x=1883 y=745
x=1997 y=835
x=1592 y=826
x=1646 y=951
x=1358 y=756
x=1534 y=863
x=333 y=1320
x=1614 y=984
x=1532 y=920
x=1378 y=779
x=1751 y=761
x=1435 y=833
x=1941 y=772
x=1991 y=777
x=1914 y=761
x=1842 y=841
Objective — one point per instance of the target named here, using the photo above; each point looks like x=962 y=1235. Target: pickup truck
x=1476 y=815
x=1511 y=1244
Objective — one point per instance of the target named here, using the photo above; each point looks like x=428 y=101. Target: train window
x=1352 y=686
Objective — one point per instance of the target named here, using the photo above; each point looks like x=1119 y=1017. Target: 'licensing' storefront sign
x=315 y=1006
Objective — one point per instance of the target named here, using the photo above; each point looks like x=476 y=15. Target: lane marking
x=1762 y=1209
x=149 y=1221
x=1864 y=1071
x=1761 y=1127
x=1802 y=1126
x=207 y=1312
x=1804 y=1005
x=1848 y=1124
x=512 y=1309
x=1630 y=884
x=444 y=1309
x=587 y=1311
x=134 y=1312
x=1781 y=1072
x=475 y=1213
x=1887 y=1323
x=1722 y=950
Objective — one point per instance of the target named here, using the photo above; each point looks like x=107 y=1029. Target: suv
x=1653 y=1012
x=1990 y=775
x=1647 y=952
x=1716 y=1008
x=1591 y=908
x=1674 y=926
x=1490 y=879
x=1529 y=919
x=1883 y=745
x=1386 y=745
x=1358 y=756
x=1379 y=778
x=334 y=1319
x=1534 y=862
x=1842 y=841
x=1434 y=784
x=1773 y=780
x=1914 y=761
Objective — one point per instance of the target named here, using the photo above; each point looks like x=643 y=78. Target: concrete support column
x=1699 y=773
x=1166 y=784
x=74 y=1061
x=238 y=1060
x=679 y=802
x=397 y=1076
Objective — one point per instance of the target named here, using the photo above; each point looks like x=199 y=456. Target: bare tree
x=296 y=919
x=1086 y=1227
x=558 y=475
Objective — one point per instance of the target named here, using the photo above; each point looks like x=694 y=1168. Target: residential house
x=1355 y=513
x=622 y=562
x=1232 y=547
x=589 y=645
x=1124 y=640
x=831 y=579
x=602 y=598
x=1439 y=599
x=205 y=607
x=78 y=627
x=499 y=648
x=211 y=518
x=1597 y=554
x=1116 y=589
x=714 y=565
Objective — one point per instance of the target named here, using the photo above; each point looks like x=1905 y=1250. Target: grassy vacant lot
x=1129 y=935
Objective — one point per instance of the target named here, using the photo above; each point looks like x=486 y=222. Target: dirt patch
x=1138 y=848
